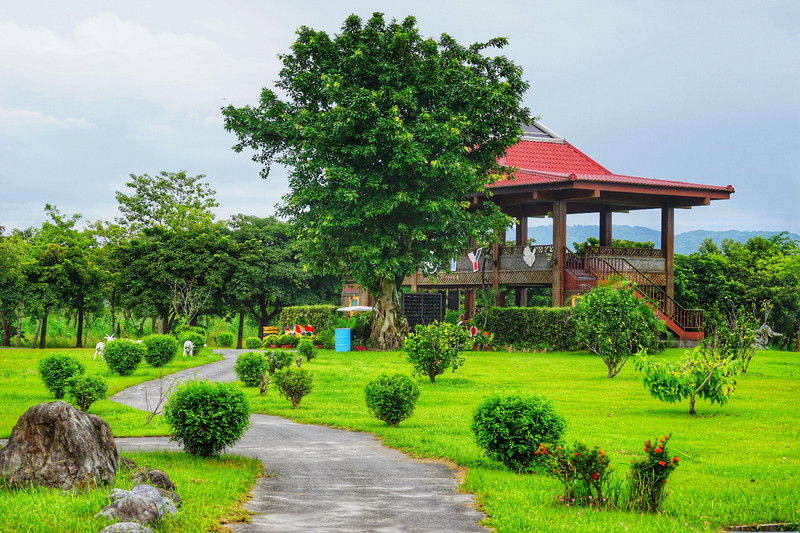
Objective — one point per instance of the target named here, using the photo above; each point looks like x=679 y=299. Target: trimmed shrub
x=183 y=328
x=530 y=326
x=271 y=340
x=159 y=349
x=319 y=316
x=510 y=429
x=306 y=348
x=83 y=391
x=56 y=370
x=197 y=340
x=207 y=417
x=293 y=383
x=249 y=368
x=434 y=348
x=277 y=360
x=288 y=340
x=225 y=339
x=252 y=343
x=391 y=397
x=123 y=356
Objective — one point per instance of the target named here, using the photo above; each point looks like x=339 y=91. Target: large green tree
x=386 y=135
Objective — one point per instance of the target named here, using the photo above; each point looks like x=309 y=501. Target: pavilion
x=554 y=179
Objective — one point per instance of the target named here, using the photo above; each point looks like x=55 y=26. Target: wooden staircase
x=583 y=273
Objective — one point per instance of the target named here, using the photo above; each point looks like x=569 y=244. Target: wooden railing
x=610 y=251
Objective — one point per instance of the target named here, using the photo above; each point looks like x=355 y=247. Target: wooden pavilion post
x=469 y=294
x=605 y=226
x=521 y=293
x=499 y=299
x=559 y=250
x=668 y=245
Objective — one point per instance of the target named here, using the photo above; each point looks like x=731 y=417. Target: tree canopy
x=386 y=134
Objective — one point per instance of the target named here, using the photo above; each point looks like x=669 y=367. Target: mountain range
x=685 y=243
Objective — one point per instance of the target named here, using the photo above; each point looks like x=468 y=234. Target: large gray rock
x=126 y=527
x=55 y=445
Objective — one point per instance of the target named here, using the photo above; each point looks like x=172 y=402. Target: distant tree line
x=165 y=259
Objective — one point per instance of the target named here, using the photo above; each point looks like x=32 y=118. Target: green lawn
x=740 y=463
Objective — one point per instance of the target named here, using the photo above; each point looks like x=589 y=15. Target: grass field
x=740 y=463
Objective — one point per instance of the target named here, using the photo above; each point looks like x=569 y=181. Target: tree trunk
x=19 y=323
x=6 y=328
x=691 y=405
x=389 y=324
x=79 y=320
x=241 y=331
x=36 y=333
x=43 y=334
x=113 y=309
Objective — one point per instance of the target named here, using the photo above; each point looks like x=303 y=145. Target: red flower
x=576 y=454
x=646 y=449
x=675 y=459
x=658 y=450
x=594 y=475
x=666 y=437
x=662 y=463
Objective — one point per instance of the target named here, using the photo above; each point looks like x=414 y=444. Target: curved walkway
x=325 y=480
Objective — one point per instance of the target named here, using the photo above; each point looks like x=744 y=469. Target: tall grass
x=740 y=463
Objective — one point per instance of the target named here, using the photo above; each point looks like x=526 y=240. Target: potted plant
x=271 y=341
x=288 y=341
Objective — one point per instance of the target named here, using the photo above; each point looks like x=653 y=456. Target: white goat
x=98 y=349
x=188 y=348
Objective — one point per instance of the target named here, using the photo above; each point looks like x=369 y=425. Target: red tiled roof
x=558 y=162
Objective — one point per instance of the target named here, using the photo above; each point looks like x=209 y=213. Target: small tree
x=613 y=323
x=391 y=397
x=434 y=348
x=250 y=368
x=293 y=384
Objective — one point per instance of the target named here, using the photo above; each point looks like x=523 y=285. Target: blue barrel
x=342 y=340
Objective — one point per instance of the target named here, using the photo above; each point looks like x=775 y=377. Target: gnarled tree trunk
x=389 y=325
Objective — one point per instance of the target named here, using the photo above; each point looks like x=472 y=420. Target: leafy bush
x=434 y=348
x=271 y=340
x=648 y=476
x=159 y=349
x=287 y=340
x=511 y=428
x=56 y=370
x=391 y=397
x=183 y=328
x=293 y=383
x=319 y=316
x=249 y=368
x=83 y=391
x=123 y=356
x=277 y=360
x=207 y=417
x=252 y=343
x=532 y=326
x=197 y=340
x=326 y=338
x=306 y=348
x=583 y=472
x=225 y=339
x=613 y=323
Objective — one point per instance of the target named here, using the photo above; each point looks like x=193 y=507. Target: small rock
x=153 y=476
x=126 y=527
x=130 y=507
x=126 y=463
x=176 y=499
x=163 y=505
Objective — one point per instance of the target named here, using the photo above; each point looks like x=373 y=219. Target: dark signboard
x=422 y=307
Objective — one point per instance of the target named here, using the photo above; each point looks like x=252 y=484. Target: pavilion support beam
x=469 y=294
x=521 y=293
x=668 y=245
x=605 y=227
x=499 y=298
x=559 y=250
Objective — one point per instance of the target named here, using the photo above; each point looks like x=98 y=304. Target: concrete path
x=326 y=480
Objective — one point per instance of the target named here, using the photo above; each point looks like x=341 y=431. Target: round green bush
x=159 y=349
x=306 y=348
x=197 y=340
x=225 y=339
x=55 y=370
x=511 y=428
x=183 y=328
x=249 y=368
x=83 y=391
x=277 y=360
x=293 y=383
x=287 y=340
x=123 y=356
x=207 y=417
x=391 y=397
x=252 y=343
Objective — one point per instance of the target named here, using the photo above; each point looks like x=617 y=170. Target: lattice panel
x=609 y=251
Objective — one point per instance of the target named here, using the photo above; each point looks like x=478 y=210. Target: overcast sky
x=706 y=92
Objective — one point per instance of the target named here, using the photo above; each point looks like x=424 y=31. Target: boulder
x=163 y=505
x=153 y=476
x=126 y=463
x=143 y=504
x=55 y=445
x=126 y=527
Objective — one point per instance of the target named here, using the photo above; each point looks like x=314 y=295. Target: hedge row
x=319 y=316
x=552 y=326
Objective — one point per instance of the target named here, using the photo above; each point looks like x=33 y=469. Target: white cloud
x=105 y=53
x=25 y=118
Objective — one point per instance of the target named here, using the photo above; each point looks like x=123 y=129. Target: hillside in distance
x=685 y=243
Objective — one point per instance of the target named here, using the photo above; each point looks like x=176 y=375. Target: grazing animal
x=98 y=349
x=188 y=348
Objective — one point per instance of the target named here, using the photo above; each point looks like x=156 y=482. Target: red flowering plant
x=648 y=475
x=583 y=471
